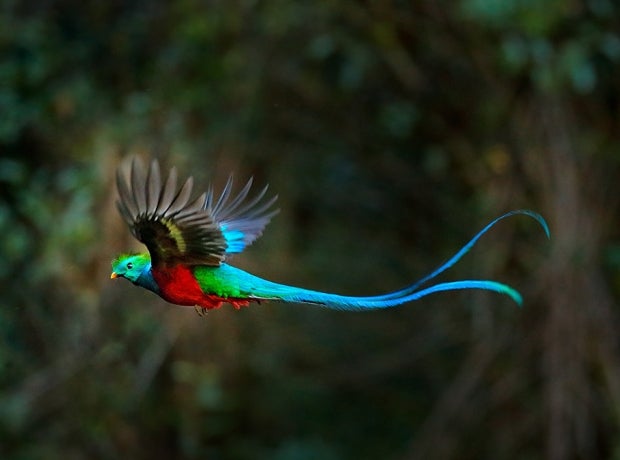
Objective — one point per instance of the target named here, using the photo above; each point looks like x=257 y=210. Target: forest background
x=392 y=132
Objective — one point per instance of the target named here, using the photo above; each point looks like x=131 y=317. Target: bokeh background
x=392 y=132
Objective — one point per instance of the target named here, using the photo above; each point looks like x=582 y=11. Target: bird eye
x=129 y=265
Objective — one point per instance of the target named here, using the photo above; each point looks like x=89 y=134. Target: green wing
x=176 y=229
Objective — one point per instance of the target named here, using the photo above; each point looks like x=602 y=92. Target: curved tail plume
x=275 y=291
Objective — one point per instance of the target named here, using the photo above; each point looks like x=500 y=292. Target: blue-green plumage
x=227 y=279
x=227 y=282
x=189 y=241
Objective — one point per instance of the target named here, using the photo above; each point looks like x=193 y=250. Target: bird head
x=130 y=266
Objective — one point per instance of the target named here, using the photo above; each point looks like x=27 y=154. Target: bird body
x=188 y=244
x=210 y=287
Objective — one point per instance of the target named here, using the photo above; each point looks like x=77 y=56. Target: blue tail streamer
x=413 y=291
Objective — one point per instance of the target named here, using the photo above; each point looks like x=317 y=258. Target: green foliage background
x=392 y=131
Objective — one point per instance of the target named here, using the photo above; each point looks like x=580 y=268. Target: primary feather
x=177 y=230
x=188 y=241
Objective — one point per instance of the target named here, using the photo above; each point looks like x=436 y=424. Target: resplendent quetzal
x=188 y=242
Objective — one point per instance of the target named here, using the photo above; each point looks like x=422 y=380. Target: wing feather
x=168 y=193
x=154 y=190
x=242 y=220
x=239 y=199
x=175 y=230
x=138 y=182
x=178 y=229
x=182 y=197
x=221 y=202
x=126 y=197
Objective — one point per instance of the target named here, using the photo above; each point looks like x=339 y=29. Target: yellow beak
x=113 y=275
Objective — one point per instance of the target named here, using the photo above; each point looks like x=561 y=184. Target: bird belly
x=179 y=286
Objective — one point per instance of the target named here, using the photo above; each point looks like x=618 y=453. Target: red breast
x=179 y=286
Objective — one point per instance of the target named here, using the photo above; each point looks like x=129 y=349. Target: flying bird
x=190 y=240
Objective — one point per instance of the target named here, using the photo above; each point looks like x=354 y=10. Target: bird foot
x=202 y=311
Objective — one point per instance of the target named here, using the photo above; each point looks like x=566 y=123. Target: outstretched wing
x=176 y=229
x=241 y=220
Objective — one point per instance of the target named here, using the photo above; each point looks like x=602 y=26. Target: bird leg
x=202 y=311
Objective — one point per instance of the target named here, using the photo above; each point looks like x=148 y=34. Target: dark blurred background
x=392 y=132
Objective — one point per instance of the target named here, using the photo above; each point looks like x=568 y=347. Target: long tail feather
x=349 y=303
x=410 y=293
